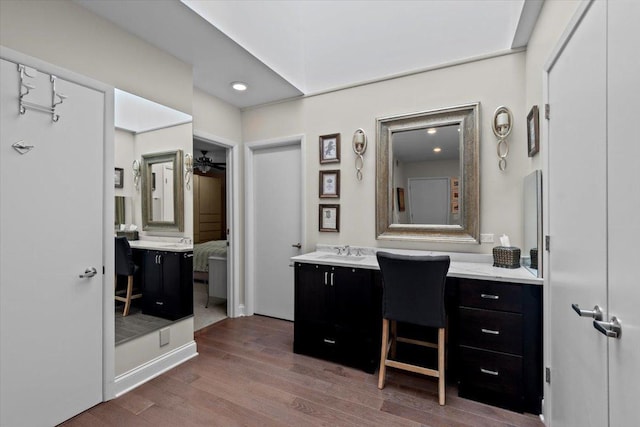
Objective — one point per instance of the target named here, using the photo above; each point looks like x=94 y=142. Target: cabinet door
x=353 y=298
x=311 y=294
x=152 y=299
x=171 y=281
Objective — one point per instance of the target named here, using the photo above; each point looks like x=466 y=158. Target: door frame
x=250 y=208
x=234 y=308
x=108 y=247
x=547 y=328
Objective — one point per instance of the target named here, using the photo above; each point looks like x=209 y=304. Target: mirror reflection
x=162 y=192
x=427 y=176
x=427 y=167
x=531 y=254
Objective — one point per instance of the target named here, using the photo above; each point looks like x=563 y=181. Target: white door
x=277 y=217
x=624 y=209
x=593 y=203
x=50 y=232
x=422 y=193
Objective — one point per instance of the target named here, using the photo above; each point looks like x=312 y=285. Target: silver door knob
x=611 y=329
x=596 y=313
x=89 y=272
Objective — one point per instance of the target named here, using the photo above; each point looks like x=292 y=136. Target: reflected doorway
x=210 y=232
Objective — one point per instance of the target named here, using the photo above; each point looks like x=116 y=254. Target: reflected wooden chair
x=413 y=292
x=125 y=267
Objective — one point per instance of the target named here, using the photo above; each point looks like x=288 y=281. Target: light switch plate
x=165 y=335
x=486 y=238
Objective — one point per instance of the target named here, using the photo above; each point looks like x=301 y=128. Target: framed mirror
x=427 y=176
x=162 y=191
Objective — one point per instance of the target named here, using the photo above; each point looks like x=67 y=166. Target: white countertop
x=463 y=265
x=160 y=246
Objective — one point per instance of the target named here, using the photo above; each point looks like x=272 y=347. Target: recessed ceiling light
x=239 y=86
x=437 y=149
x=431 y=131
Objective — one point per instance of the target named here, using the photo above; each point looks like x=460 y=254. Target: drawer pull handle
x=159 y=303
x=328 y=341
x=488 y=372
x=489 y=296
x=490 y=331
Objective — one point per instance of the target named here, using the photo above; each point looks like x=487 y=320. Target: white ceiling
x=136 y=114
x=283 y=49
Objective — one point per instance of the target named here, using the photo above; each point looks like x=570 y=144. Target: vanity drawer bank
x=494 y=337
x=166 y=274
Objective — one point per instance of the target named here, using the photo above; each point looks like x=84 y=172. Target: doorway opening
x=211 y=191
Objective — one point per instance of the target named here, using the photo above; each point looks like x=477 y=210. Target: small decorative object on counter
x=534 y=257
x=130 y=235
x=506 y=257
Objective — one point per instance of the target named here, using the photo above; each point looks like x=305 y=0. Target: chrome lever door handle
x=596 y=313
x=611 y=329
x=89 y=272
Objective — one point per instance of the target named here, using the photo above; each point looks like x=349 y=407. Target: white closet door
x=51 y=231
x=578 y=224
x=278 y=226
x=624 y=209
x=422 y=193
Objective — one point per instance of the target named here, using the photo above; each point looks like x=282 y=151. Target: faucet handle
x=347 y=249
x=339 y=249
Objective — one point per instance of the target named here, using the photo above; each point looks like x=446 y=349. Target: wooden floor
x=247 y=375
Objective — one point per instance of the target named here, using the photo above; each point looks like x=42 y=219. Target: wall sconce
x=136 y=174
x=359 y=147
x=188 y=170
x=502 y=124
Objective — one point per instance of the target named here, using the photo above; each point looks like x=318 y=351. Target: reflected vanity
x=427 y=185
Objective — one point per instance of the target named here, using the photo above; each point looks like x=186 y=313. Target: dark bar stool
x=413 y=292
x=125 y=267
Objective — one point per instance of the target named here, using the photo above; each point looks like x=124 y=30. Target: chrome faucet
x=185 y=240
x=347 y=250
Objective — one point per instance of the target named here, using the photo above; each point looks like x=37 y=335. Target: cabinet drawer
x=491 y=330
x=491 y=295
x=488 y=370
x=315 y=340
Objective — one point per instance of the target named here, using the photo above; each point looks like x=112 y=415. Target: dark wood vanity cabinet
x=167 y=283
x=338 y=314
x=498 y=345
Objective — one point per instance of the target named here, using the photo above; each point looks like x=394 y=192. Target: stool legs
x=386 y=361
x=383 y=353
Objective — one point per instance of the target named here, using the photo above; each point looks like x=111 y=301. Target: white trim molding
x=153 y=368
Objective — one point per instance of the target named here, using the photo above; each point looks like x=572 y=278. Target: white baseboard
x=146 y=372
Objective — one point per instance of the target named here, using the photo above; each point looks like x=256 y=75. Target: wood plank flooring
x=246 y=374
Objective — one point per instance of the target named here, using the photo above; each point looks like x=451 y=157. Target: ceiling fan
x=205 y=164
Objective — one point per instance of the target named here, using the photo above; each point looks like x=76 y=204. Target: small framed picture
x=330 y=148
x=330 y=184
x=401 y=206
x=329 y=219
x=533 y=131
x=119 y=177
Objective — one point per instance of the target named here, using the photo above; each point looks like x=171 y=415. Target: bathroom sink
x=342 y=257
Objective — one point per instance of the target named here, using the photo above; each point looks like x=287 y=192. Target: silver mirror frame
x=178 y=192
x=469 y=229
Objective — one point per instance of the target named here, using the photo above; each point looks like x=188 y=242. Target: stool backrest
x=413 y=288
x=124 y=257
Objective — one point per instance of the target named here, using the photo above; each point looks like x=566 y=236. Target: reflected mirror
x=162 y=191
x=427 y=176
x=532 y=192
